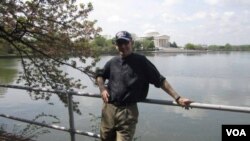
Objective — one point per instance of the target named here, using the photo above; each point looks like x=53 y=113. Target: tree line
x=101 y=45
x=98 y=44
x=226 y=47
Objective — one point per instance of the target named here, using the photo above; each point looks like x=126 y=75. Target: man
x=129 y=75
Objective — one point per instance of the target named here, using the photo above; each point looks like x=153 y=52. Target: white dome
x=150 y=33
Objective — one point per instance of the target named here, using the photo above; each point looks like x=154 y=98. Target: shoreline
x=146 y=51
x=9 y=56
x=176 y=51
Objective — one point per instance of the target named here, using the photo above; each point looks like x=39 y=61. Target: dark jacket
x=129 y=78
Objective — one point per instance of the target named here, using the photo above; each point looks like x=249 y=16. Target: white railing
x=70 y=93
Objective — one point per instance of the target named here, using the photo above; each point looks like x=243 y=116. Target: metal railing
x=55 y=127
x=70 y=93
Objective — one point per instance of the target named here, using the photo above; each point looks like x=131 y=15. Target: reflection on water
x=151 y=54
x=29 y=131
x=8 y=72
x=216 y=78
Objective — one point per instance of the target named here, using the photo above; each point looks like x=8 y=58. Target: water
x=216 y=78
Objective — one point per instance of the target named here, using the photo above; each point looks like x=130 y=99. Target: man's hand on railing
x=184 y=102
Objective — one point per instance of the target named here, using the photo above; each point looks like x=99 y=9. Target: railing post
x=71 y=117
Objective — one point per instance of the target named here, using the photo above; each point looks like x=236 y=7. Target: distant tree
x=99 y=41
x=213 y=47
x=149 y=38
x=137 y=45
x=147 y=44
x=103 y=45
x=228 y=46
x=190 y=46
x=151 y=45
x=173 y=45
x=109 y=43
x=194 y=47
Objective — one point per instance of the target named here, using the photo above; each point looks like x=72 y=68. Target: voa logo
x=236 y=132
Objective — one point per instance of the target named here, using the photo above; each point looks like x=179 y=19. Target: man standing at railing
x=129 y=76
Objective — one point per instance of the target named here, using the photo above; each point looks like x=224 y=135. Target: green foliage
x=173 y=45
x=228 y=47
x=5 y=48
x=102 y=45
x=149 y=38
x=137 y=45
x=8 y=74
x=48 y=33
x=48 y=30
x=191 y=46
x=148 y=44
x=151 y=45
x=99 y=42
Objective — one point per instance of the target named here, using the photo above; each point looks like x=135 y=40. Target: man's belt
x=122 y=104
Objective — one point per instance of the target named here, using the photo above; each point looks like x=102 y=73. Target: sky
x=185 y=21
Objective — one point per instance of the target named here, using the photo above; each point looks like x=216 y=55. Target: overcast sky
x=195 y=21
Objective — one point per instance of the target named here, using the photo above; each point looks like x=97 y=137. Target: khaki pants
x=118 y=123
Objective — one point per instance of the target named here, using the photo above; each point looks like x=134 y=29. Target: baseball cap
x=123 y=35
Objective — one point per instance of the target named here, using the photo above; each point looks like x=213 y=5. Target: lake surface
x=215 y=78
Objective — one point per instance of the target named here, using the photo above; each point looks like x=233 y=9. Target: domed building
x=151 y=34
x=159 y=40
